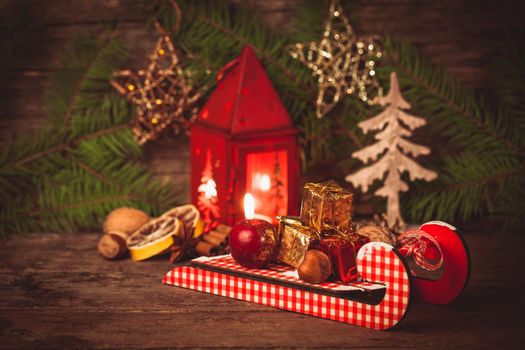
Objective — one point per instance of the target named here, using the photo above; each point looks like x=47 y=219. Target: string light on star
x=343 y=63
x=162 y=92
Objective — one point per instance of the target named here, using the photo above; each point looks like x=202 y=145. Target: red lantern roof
x=245 y=101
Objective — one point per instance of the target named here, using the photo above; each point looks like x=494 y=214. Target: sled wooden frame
x=379 y=264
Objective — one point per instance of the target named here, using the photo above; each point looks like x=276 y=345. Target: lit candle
x=249 y=209
x=249 y=206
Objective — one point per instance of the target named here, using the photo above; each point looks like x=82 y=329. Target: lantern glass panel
x=267 y=181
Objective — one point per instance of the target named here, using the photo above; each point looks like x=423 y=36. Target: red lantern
x=248 y=135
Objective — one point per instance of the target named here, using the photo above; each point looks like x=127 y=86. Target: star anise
x=184 y=246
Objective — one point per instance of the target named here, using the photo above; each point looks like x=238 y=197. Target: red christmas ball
x=253 y=243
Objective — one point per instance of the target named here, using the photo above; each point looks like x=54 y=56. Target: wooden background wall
x=453 y=33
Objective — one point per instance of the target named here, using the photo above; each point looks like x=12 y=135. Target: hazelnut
x=316 y=267
x=112 y=246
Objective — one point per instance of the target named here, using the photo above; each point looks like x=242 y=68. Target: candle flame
x=265 y=183
x=249 y=206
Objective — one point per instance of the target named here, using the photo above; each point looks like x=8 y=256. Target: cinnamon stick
x=223 y=228
x=222 y=236
x=207 y=249
x=215 y=241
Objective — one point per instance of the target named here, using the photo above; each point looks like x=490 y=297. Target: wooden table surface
x=57 y=292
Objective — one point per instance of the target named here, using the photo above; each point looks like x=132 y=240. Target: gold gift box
x=295 y=241
x=326 y=205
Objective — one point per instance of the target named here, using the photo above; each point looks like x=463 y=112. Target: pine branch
x=62 y=146
x=462 y=108
x=82 y=80
x=343 y=130
x=262 y=54
x=468 y=186
x=211 y=24
x=81 y=204
x=508 y=72
x=44 y=153
x=76 y=90
x=83 y=164
x=99 y=133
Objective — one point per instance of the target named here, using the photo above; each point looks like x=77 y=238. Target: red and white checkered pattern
x=377 y=263
x=275 y=271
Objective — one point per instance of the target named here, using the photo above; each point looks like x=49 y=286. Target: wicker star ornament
x=343 y=63
x=161 y=92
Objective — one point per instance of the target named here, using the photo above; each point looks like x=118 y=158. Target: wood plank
x=64 y=12
x=58 y=292
x=52 y=41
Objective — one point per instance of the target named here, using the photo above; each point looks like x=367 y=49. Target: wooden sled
x=379 y=301
x=381 y=267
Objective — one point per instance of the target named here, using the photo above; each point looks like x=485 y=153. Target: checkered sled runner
x=377 y=263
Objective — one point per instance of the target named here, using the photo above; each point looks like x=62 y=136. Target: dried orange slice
x=153 y=238
x=190 y=217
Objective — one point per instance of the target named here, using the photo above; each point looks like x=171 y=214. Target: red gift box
x=342 y=250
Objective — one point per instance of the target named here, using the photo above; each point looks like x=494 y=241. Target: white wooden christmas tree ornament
x=394 y=125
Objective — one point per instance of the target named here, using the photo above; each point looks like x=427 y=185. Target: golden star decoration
x=161 y=93
x=342 y=62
